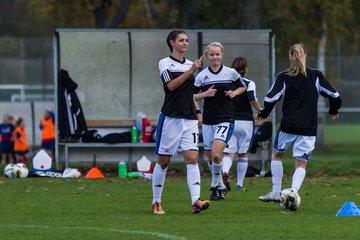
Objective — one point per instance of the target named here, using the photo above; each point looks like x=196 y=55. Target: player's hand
x=334 y=116
x=230 y=94
x=200 y=119
x=211 y=91
x=196 y=64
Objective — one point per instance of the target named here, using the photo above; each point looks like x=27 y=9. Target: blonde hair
x=297 y=58
x=213 y=44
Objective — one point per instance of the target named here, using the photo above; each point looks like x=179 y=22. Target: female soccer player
x=244 y=127
x=218 y=120
x=177 y=128
x=300 y=86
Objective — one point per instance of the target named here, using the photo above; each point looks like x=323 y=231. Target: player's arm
x=251 y=94
x=328 y=91
x=274 y=94
x=208 y=93
x=177 y=82
x=198 y=112
x=239 y=90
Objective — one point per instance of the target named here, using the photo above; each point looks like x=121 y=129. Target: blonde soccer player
x=224 y=84
x=299 y=87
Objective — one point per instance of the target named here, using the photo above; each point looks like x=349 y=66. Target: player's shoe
x=221 y=193
x=226 y=181
x=240 y=188
x=214 y=194
x=157 y=209
x=291 y=202
x=200 y=205
x=270 y=197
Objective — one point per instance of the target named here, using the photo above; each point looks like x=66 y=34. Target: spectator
x=47 y=126
x=7 y=139
x=21 y=146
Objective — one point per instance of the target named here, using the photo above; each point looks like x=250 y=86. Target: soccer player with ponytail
x=300 y=87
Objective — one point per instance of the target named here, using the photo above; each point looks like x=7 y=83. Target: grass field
x=120 y=209
x=115 y=208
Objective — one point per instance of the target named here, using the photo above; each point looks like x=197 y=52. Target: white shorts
x=176 y=134
x=302 y=145
x=221 y=131
x=241 y=138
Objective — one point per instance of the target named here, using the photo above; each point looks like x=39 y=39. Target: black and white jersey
x=242 y=106
x=300 y=101
x=178 y=103
x=218 y=108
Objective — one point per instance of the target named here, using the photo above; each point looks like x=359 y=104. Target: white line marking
x=157 y=234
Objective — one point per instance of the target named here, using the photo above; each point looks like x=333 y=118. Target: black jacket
x=300 y=95
x=71 y=117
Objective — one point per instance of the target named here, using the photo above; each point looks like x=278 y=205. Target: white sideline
x=157 y=234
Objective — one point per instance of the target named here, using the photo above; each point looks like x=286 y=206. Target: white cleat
x=270 y=197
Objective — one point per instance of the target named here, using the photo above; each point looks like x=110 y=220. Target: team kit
x=227 y=120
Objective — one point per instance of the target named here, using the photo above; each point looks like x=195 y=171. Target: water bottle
x=122 y=169
x=134 y=135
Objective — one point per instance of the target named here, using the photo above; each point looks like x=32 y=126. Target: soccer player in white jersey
x=242 y=136
x=177 y=128
x=218 y=121
x=300 y=87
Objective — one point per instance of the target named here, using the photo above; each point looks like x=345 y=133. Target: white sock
x=242 y=166
x=298 y=178
x=227 y=162
x=216 y=179
x=158 y=180
x=277 y=175
x=210 y=167
x=193 y=181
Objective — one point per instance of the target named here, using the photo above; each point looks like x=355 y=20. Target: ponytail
x=297 y=58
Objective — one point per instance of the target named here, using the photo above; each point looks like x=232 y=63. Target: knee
x=216 y=157
x=163 y=162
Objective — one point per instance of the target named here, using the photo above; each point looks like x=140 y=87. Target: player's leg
x=189 y=146
x=282 y=142
x=302 y=149
x=222 y=135
x=167 y=144
x=245 y=135
x=228 y=158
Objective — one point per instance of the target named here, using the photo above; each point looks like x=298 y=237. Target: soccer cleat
x=214 y=194
x=157 y=209
x=240 y=188
x=226 y=181
x=291 y=201
x=270 y=197
x=221 y=193
x=200 y=205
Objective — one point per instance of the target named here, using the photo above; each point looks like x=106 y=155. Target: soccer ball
x=21 y=170
x=8 y=171
x=290 y=199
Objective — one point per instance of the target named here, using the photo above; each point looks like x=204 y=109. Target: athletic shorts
x=221 y=131
x=21 y=153
x=176 y=134
x=6 y=147
x=241 y=138
x=48 y=145
x=302 y=145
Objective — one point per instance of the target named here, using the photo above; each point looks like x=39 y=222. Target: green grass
x=342 y=134
x=113 y=208
x=120 y=209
